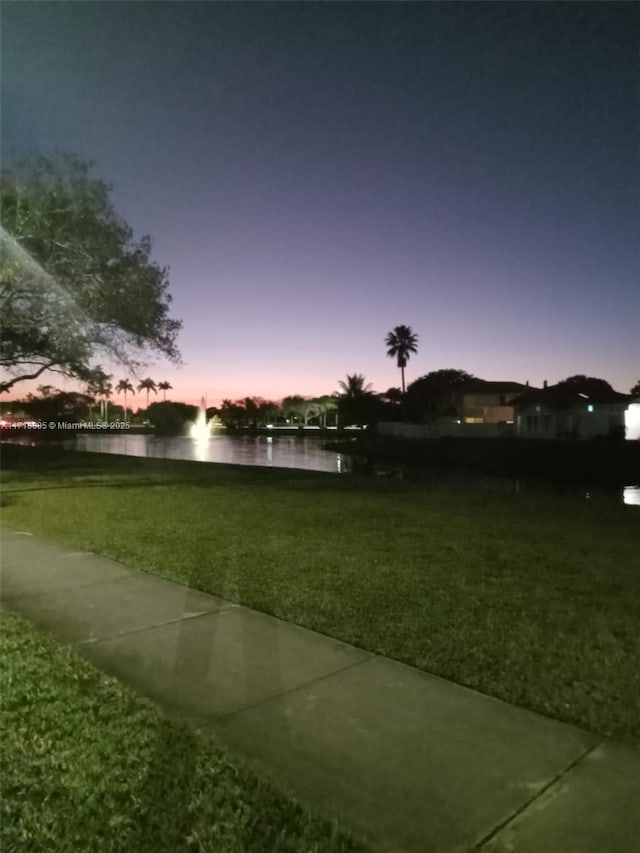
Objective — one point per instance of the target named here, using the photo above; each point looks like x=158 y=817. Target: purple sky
x=315 y=174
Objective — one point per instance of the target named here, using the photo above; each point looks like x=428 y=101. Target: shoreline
x=595 y=462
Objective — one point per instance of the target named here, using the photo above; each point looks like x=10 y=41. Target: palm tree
x=100 y=387
x=401 y=341
x=147 y=385
x=107 y=390
x=121 y=388
x=164 y=387
x=356 y=386
x=354 y=404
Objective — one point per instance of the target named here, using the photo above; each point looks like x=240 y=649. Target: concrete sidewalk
x=406 y=760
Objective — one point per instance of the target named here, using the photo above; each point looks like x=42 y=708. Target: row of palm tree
x=401 y=342
x=102 y=389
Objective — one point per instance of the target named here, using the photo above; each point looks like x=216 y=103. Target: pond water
x=285 y=451
x=289 y=451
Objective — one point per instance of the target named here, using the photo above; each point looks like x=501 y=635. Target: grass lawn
x=89 y=766
x=533 y=599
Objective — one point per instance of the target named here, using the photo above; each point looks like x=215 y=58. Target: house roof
x=558 y=396
x=483 y=386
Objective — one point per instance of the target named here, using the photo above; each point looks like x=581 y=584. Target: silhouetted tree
x=232 y=414
x=251 y=409
x=401 y=342
x=293 y=407
x=147 y=385
x=355 y=387
x=323 y=406
x=309 y=409
x=171 y=418
x=164 y=387
x=636 y=388
x=588 y=385
x=392 y=395
x=74 y=283
x=268 y=411
x=53 y=404
x=357 y=403
x=431 y=395
x=100 y=386
x=124 y=386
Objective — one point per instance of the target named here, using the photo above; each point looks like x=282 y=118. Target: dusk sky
x=317 y=173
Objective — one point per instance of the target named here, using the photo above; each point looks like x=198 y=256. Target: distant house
x=484 y=402
x=561 y=412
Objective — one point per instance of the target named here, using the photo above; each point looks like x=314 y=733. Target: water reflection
x=279 y=451
x=200 y=448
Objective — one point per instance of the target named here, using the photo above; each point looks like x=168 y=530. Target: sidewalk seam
x=223 y=717
x=184 y=618
x=478 y=846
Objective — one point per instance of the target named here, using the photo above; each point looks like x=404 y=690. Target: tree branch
x=6 y=386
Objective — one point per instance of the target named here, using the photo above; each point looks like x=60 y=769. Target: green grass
x=89 y=766
x=534 y=600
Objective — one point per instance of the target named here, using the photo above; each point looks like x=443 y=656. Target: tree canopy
x=585 y=384
x=54 y=404
x=432 y=395
x=75 y=286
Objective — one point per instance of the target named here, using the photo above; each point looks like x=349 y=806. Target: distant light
x=590 y=407
x=269 y=426
x=631 y=495
x=632 y=422
x=580 y=394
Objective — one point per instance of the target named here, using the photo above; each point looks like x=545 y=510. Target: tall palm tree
x=106 y=392
x=147 y=385
x=99 y=387
x=164 y=387
x=123 y=387
x=401 y=341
